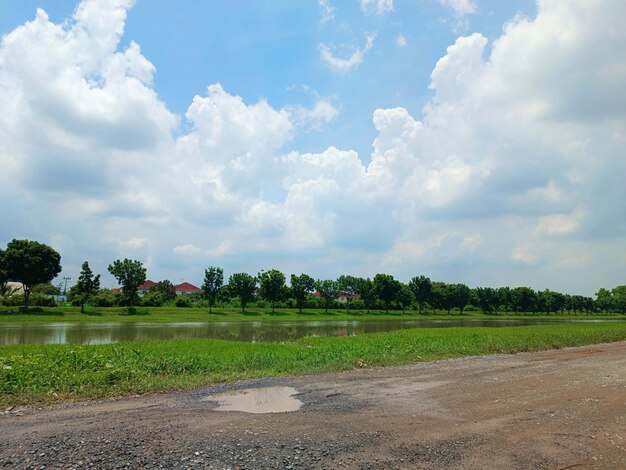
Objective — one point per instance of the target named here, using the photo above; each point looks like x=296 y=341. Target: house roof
x=186 y=287
x=146 y=285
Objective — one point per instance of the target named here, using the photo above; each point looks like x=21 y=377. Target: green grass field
x=47 y=373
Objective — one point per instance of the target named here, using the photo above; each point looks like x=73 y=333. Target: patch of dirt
x=548 y=410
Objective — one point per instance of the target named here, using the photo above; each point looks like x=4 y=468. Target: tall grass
x=47 y=373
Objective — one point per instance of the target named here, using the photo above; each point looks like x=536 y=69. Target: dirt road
x=554 y=410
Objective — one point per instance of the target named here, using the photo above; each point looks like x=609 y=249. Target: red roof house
x=186 y=288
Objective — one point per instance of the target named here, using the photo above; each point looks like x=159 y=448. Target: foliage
x=347 y=285
x=243 y=286
x=159 y=294
x=367 y=293
x=328 y=292
x=87 y=285
x=421 y=287
x=405 y=297
x=213 y=280
x=31 y=263
x=386 y=288
x=130 y=274
x=271 y=284
x=488 y=299
x=301 y=286
x=46 y=289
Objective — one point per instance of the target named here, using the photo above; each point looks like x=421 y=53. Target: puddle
x=257 y=400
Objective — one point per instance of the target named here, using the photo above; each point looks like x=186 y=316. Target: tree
x=243 y=286
x=328 y=292
x=3 y=269
x=271 y=285
x=301 y=286
x=159 y=294
x=619 y=298
x=365 y=288
x=213 y=280
x=461 y=294
x=421 y=287
x=405 y=297
x=523 y=299
x=488 y=299
x=386 y=288
x=165 y=289
x=348 y=286
x=87 y=285
x=442 y=296
x=604 y=300
x=130 y=274
x=31 y=263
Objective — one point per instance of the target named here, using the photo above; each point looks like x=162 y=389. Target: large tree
x=243 y=286
x=130 y=274
x=328 y=292
x=301 y=286
x=271 y=285
x=87 y=285
x=31 y=263
x=421 y=287
x=213 y=280
x=386 y=288
x=405 y=297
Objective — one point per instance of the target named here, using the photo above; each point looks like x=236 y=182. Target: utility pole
x=65 y=284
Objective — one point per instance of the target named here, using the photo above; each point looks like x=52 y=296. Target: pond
x=249 y=331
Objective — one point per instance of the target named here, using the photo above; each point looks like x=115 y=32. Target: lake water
x=249 y=331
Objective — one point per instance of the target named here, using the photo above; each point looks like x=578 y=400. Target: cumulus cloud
x=340 y=64
x=515 y=163
x=400 y=41
x=376 y=6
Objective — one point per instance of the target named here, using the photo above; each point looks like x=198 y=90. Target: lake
x=249 y=331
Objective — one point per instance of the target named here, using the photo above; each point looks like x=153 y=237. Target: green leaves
x=130 y=274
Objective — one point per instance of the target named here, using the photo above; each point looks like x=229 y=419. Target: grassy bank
x=46 y=373
x=179 y=314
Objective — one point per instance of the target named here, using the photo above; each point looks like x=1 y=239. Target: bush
x=183 y=301
x=357 y=304
x=105 y=298
x=42 y=300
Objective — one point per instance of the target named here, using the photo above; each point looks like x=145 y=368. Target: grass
x=32 y=374
x=178 y=314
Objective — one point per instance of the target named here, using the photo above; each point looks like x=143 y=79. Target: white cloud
x=515 y=163
x=401 y=41
x=188 y=249
x=376 y=6
x=461 y=9
x=328 y=11
x=322 y=112
x=343 y=65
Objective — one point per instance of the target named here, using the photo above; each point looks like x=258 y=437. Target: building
x=186 y=288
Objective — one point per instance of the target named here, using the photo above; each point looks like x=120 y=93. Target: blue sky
x=471 y=141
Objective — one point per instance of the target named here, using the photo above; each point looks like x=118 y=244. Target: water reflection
x=248 y=331
x=257 y=400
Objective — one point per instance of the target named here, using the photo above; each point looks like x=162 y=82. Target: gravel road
x=548 y=410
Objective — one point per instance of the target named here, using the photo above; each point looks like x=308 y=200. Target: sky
x=473 y=141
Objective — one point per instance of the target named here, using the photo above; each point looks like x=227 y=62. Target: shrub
x=183 y=301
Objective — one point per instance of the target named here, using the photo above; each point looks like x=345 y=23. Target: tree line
x=34 y=264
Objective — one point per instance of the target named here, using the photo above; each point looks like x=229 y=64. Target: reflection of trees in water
x=256 y=331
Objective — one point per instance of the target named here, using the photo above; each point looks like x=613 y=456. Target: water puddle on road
x=257 y=400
